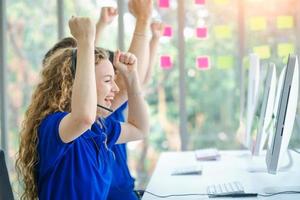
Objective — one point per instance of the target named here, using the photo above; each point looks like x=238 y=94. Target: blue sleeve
x=118 y=114
x=50 y=146
x=113 y=130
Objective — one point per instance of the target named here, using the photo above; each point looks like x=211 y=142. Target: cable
x=202 y=194
x=174 y=195
x=277 y=193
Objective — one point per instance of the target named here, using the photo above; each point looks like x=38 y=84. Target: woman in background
x=123 y=186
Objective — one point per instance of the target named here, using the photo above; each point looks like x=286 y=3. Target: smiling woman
x=57 y=91
x=64 y=139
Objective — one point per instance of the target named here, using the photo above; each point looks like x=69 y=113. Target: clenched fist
x=125 y=63
x=82 y=28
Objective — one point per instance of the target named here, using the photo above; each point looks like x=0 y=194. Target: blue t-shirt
x=122 y=185
x=80 y=169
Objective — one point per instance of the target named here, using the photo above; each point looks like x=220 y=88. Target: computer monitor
x=266 y=111
x=285 y=111
x=252 y=96
x=5 y=188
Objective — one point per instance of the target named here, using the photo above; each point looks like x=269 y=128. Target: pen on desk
x=235 y=195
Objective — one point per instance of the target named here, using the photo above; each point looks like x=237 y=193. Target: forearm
x=84 y=99
x=138 y=114
x=153 y=46
x=99 y=32
x=139 y=46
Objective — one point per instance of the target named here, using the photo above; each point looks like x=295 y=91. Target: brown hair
x=67 y=42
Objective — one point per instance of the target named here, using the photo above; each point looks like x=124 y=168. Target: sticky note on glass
x=165 y=62
x=163 y=3
x=203 y=62
x=263 y=51
x=284 y=22
x=224 y=62
x=221 y=1
x=201 y=32
x=258 y=23
x=223 y=32
x=284 y=49
x=200 y=2
x=168 y=31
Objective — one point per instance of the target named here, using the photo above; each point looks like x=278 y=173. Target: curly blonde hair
x=52 y=94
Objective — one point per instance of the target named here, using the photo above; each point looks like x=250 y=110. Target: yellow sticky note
x=223 y=32
x=221 y=1
x=263 y=51
x=224 y=62
x=257 y=23
x=284 y=22
x=284 y=49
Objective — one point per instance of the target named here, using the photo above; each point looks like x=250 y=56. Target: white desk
x=233 y=166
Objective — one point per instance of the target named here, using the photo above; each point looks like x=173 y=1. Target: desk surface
x=233 y=166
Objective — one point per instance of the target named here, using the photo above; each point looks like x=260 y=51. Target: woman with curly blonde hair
x=65 y=146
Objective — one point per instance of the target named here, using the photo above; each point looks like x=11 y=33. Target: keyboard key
x=225 y=188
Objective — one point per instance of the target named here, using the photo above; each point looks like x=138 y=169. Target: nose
x=115 y=87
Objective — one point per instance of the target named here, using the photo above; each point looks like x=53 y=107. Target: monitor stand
x=281 y=169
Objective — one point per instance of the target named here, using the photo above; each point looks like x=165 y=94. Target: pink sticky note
x=201 y=32
x=203 y=62
x=163 y=3
x=168 y=31
x=200 y=2
x=165 y=62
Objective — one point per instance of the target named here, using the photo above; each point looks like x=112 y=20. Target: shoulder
x=53 y=117
x=51 y=121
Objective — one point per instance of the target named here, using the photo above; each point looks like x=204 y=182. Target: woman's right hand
x=125 y=63
x=82 y=29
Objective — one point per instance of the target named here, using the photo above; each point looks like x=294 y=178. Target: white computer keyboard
x=225 y=189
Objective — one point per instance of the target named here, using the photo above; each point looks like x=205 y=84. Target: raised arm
x=107 y=15
x=137 y=125
x=157 y=29
x=84 y=99
x=139 y=46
